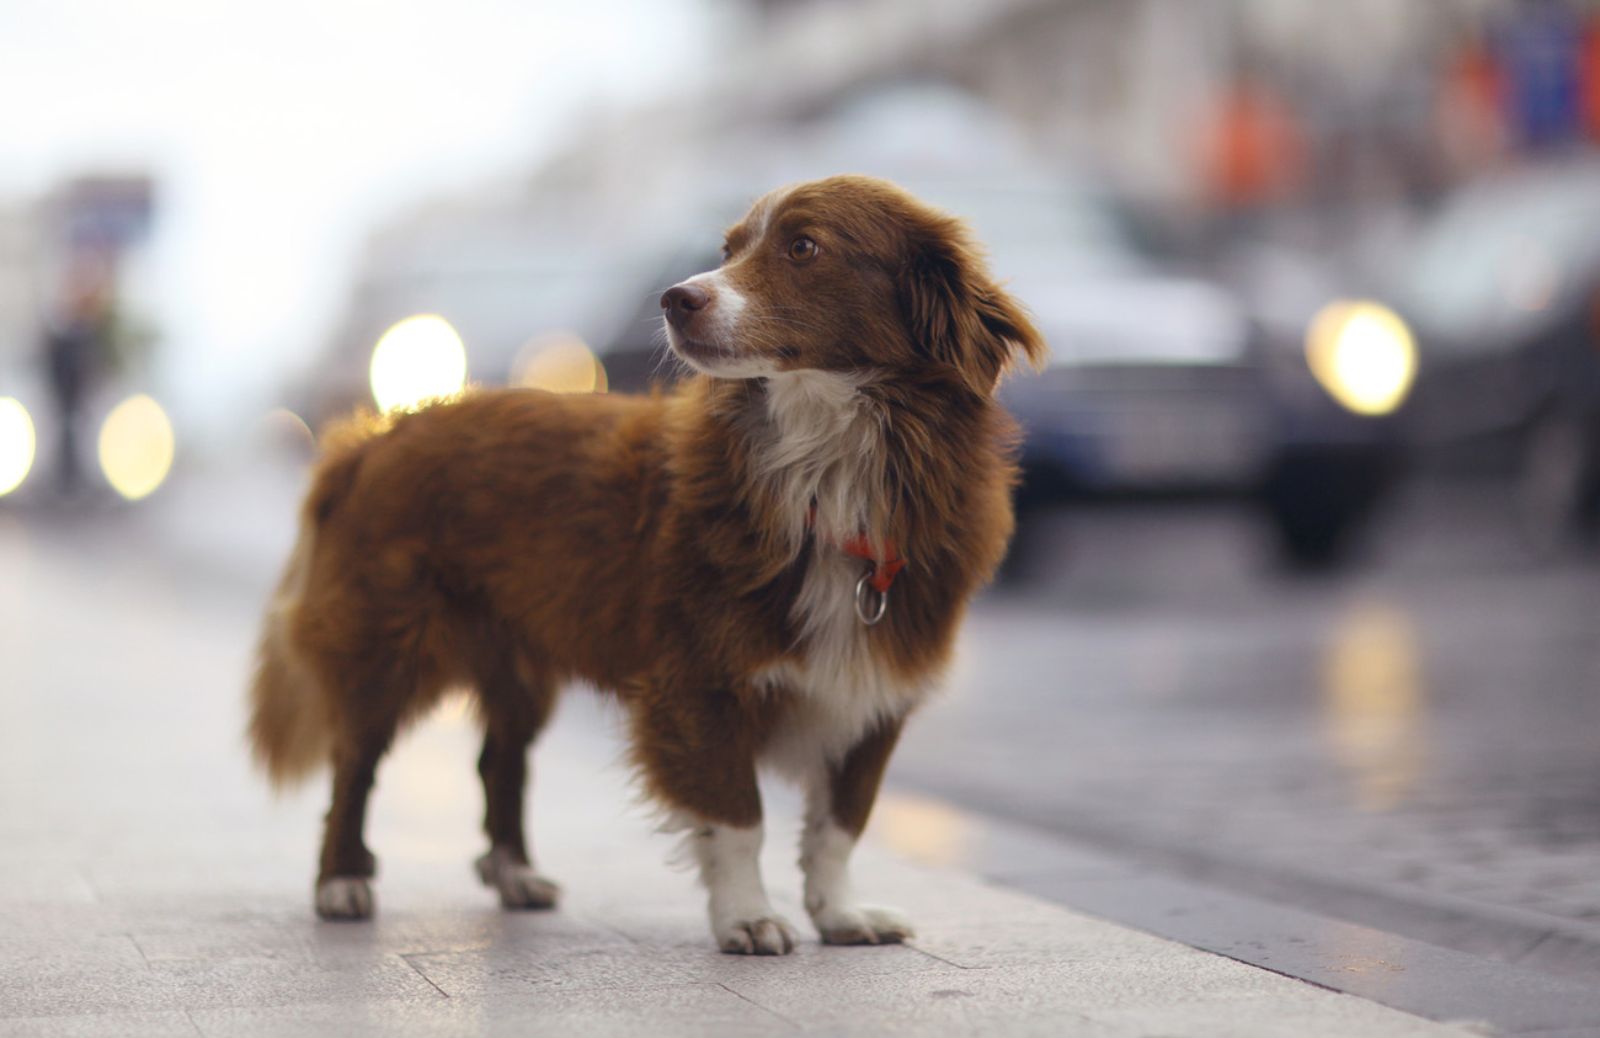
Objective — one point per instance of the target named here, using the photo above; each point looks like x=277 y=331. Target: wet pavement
x=1413 y=744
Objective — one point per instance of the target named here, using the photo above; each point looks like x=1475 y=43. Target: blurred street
x=1411 y=744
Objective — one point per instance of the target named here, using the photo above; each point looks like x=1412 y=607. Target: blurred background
x=1304 y=591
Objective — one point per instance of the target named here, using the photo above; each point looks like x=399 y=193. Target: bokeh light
x=281 y=429
x=560 y=362
x=923 y=828
x=17 y=444
x=136 y=447
x=418 y=359
x=1363 y=354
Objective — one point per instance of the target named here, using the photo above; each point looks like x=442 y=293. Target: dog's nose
x=680 y=301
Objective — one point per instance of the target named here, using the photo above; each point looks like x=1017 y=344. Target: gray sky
x=281 y=131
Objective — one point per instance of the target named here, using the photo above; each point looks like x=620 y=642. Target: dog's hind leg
x=515 y=708
x=344 y=879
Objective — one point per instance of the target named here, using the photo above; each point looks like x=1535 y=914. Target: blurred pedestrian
x=77 y=351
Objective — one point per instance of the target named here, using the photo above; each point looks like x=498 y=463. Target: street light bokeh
x=418 y=359
x=560 y=362
x=136 y=447
x=17 y=444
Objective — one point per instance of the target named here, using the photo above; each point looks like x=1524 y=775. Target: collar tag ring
x=871 y=603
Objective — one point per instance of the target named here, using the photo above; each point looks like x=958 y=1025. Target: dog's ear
x=957 y=314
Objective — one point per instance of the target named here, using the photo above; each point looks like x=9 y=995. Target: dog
x=767 y=565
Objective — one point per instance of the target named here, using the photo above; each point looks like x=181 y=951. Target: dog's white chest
x=840 y=686
x=823 y=462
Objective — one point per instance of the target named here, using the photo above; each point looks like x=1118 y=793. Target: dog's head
x=848 y=274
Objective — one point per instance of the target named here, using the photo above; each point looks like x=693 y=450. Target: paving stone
x=1304 y=1015
x=62 y=952
x=693 y=1009
x=1044 y=937
x=1063 y=997
x=496 y=971
x=41 y=882
x=49 y=991
x=171 y=1024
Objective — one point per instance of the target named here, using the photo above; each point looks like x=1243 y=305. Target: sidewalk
x=149 y=885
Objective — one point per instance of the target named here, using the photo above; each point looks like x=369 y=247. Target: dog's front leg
x=701 y=763
x=839 y=798
x=743 y=920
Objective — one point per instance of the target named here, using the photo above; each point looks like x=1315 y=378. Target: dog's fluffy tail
x=291 y=731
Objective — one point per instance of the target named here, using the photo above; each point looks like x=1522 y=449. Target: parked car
x=1502 y=285
x=1162 y=383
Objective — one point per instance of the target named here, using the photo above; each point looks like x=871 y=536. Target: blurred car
x=1502 y=285
x=636 y=357
x=123 y=449
x=1161 y=383
x=28 y=434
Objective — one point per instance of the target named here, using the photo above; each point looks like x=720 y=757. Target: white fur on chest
x=826 y=447
x=840 y=688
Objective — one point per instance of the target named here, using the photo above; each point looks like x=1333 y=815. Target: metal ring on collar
x=871 y=603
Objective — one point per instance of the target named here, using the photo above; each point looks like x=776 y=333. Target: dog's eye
x=727 y=253
x=802 y=249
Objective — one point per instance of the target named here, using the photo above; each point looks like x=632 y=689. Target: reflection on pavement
x=922 y=829
x=1373 y=698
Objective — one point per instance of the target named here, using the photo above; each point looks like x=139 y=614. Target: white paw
x=862 y=924
x=520 y=886
x=344 y=897
x=765 y=935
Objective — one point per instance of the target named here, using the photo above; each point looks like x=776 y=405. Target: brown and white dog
x=715 y=557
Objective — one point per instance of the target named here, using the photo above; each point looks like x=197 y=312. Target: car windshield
x=1054 y=228
x=1068 y=252
x=1501 y=258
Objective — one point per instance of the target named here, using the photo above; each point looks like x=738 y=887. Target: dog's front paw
x=344 y=897
x=766 y=935
x=862 y=924
x=520 y=886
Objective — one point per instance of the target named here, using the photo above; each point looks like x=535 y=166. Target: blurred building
x=1187 y=108
x=1121 y=86
x=19 y=249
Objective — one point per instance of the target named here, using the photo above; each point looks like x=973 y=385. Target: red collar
x=860 y=546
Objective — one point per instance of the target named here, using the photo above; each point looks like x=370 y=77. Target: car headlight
x=1363 y=355
x=136 y=447
x=17 y=444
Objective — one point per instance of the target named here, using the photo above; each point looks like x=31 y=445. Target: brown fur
x=853 y=782
x=510 y=541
